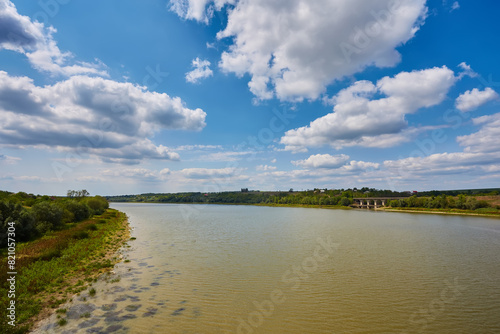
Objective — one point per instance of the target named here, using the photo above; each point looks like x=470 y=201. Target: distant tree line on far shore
x=36 y=215
x=465 y=199
x=462 y=202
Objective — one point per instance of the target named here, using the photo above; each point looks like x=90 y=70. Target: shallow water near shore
x=247 y=269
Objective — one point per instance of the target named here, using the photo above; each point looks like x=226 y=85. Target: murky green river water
x=247 y=269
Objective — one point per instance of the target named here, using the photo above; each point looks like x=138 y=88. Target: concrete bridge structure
x=373 y=202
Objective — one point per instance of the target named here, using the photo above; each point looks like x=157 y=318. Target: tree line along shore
x=62 y=245
x=473 y=201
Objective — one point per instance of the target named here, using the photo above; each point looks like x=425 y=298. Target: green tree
x=344 y=201
x=443 y=201
x=394 y=203
x=460 y=202
x=471 y=203
x=80 y=211
x=48 y=216
x=451 y=202
x=412 y=201
x=97 y=204
x=23 y=220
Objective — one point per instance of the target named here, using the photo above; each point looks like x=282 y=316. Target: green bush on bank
x=461 y=202
x=34 y=216
x=97 y=204
x=11 y=211
x=80 y=210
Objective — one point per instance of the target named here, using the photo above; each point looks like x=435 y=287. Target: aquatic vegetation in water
x=132 y=308
x=178 y=311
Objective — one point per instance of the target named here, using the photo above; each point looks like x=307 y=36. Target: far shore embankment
x=454 y=212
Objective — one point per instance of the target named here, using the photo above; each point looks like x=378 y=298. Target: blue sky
x=122 y=97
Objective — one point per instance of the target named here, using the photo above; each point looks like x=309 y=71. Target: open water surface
x=249 y=269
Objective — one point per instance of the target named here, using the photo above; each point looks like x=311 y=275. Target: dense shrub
x=482 y=204
x=49 y=216
x=344 y=201
x=41 y=214
x=92 y=227
x=49 y=255
x=80 y=211
x=23 y=220
x=98 y=205
x=394 y=203
x=440 y=202
x=81 y=235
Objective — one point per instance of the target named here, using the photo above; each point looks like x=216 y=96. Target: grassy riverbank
x=52 y=269
x=483 y=212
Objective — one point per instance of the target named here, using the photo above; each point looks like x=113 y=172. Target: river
x=250 y=269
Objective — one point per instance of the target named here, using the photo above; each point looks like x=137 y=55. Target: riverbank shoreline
x=58 y=272
x=440 y=212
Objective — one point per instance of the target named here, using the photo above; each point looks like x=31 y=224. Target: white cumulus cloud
x=466 y=71
x=201 y=71
x=265 y=168
x=18 y=33
x=473 y=99
x=101 y=117
x=293 y=49
x=360 y=119
x=486 y=139
x=211 y=173
x=323 y=161
x=198 y=10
